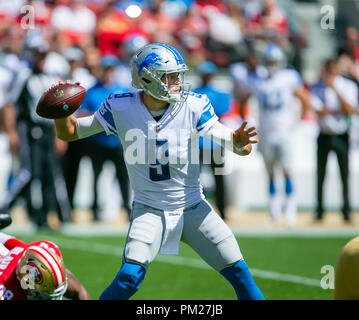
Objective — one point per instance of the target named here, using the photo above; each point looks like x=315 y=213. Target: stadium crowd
x=92 y=41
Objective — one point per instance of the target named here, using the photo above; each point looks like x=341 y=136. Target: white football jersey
x=276 y=101
x=323 y=96
x=161 y=157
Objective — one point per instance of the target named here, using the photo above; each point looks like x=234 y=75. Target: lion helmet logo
x=150 y=60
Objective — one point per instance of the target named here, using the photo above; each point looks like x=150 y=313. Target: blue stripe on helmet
x=174 y=51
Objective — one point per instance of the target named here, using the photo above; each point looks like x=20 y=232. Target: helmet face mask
x=42 y=274
x=56 y=295
x=151 y=69
x=176 y=92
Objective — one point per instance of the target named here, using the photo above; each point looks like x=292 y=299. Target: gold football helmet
x=347 y=272
x=42 y=274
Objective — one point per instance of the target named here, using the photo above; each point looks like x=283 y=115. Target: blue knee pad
x=126 y=282
x=240 y=278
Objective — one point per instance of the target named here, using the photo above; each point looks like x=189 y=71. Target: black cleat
x=5 y=220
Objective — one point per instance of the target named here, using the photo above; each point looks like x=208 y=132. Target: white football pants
x=203 y=230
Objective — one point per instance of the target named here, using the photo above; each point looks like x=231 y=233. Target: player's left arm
x=239 y=141
x=243 y=139
x=75 y=289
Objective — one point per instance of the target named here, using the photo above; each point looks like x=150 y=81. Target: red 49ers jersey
x=10 y=287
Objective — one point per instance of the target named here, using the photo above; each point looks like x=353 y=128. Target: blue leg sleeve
x=288 y=186
x=126 y=282
x=272 y=188
x=240 y=278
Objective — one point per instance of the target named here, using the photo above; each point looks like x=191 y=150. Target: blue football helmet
x=150 y=67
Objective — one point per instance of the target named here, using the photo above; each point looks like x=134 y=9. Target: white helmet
x=275 y=58
x=153 y=61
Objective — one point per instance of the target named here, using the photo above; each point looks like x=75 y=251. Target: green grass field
x=280 y=265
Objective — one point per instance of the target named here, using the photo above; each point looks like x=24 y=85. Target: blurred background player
x=243 y=73
x=35 y=271
x=275 y=93
x=100 y=147
x=220 y=102
x=335 y=100
x=347 y=272
x=39 y=178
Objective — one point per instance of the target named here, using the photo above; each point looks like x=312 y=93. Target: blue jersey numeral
x=160 y=171
x=272 y=101
x=120 y=95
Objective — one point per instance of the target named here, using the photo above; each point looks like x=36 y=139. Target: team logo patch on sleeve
x=105 y=112
x=207 y=114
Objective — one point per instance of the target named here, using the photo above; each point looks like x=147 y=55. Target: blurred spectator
x=251 y=8
x=113 y=26
x=271 y=22
x=334 y=99
x=192 y=32
x=13 y=58
x=348 y=55
x=350 y=43
x=78 y=72
x=6 y=77
x=75 y=22
x=102 y=148
x=122 y=69
x=42 y=17
x=275 y=93
x=40 y=177
x=158 y=24
x=92 y=60
x=10 y=9
x=225 y=36
x=220 y=102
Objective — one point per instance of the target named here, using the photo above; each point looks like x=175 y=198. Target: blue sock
x=241 y=280
x=272 y=189
x=288 y=186
x=126 y=282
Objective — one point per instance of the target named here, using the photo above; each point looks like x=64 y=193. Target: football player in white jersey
x=158 y=125
x=275 y=91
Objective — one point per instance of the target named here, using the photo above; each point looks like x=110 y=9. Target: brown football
x=60 y=101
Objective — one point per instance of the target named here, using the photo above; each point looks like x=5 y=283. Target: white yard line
x=178 y=260
x=245 y=232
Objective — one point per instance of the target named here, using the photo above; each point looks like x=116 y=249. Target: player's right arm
x=72 y=128
x=66 y=128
